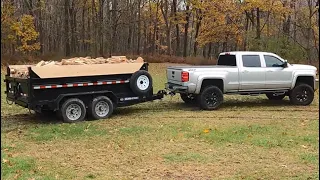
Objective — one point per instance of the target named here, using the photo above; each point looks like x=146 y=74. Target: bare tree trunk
x=66 y=27
x=139 y=27
x=258 y=31
x=186 y=26
x=209 y=50
x=114 y=26
x=177 y=28
x=101 y=33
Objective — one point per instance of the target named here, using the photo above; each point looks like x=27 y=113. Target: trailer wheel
x=141 y=82
x=101 y=107
x=73 y=110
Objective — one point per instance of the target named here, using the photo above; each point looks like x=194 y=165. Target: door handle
x=245 y=71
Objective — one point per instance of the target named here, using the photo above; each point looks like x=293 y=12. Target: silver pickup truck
x=245 y=73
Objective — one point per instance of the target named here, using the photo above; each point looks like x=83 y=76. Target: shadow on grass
x=10 y=122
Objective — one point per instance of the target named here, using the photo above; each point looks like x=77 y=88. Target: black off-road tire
x=77 y=105
x=141 y=83
x=188 y=99
x=105 y=106
x=210 y=98
x=302 y=94
x=274 y=97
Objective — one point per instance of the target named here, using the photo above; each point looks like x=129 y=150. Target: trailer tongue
x=73 y=91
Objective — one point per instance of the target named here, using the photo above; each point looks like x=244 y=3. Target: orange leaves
x=220 y=21
x=25 y=30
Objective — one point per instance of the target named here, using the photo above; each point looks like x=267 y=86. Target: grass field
x=249 y=137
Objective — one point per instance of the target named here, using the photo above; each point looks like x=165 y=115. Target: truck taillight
x=184 y=76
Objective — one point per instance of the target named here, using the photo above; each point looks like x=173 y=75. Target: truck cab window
x=251 y=61
x=227 y=60
x=272 y=61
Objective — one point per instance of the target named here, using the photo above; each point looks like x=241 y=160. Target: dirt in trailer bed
x=249 y=137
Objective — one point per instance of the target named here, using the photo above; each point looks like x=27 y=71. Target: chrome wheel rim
x=102 y=108
x=73 y=112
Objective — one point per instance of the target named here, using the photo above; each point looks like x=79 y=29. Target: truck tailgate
x=174 y=75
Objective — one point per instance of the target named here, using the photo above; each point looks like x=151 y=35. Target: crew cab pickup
x=245 y=73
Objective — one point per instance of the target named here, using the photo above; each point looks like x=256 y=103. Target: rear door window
x=251 y=61
x=227 y=60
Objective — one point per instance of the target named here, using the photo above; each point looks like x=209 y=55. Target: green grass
x=20 y=168
x=65 y=131
x=247 y=138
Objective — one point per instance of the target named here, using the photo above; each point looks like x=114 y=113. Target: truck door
x=252 y=74
x=277 y=77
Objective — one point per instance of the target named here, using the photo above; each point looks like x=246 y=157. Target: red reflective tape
x=53 y=86
x=85 y=84
x=95 y=83
x=122 y=81
x=75 y=85
x=104 y=82
x=42 y=87
x=114 y=82
x=64 y=85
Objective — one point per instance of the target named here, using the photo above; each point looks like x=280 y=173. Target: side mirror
x=285 y=64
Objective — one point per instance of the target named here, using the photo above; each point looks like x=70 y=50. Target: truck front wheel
x=210 y=98
x=73 y=110
x=302 y=94
x=101 y=107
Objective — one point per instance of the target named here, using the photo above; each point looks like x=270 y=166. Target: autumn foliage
x=182 y=28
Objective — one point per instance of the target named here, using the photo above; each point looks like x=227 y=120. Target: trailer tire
x=210 y=98
x=101 y=107
x=73 y=110
x=141 y=83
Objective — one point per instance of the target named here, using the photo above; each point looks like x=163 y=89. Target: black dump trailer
x=75 y=97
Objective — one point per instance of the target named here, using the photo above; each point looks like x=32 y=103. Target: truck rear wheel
x=141 y=83
x=272 y=96
x=101 y=107
x=210 y=98
x=73 y=110
x=302 y=94
x=188 y=98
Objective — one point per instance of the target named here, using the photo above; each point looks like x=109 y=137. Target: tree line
x=171 y=27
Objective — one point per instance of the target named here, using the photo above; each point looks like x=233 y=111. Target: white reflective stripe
x=81 y=84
